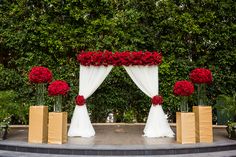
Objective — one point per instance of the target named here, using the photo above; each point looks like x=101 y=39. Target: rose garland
x=105 y=58
x=201 y=75
x=40 y=74
x=157 y=100
x=58 y=87
x=79 y=100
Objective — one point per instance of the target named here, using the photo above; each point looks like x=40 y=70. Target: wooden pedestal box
x=203 y=121
x=38 y=124
x=185 y=127
x=57 y=128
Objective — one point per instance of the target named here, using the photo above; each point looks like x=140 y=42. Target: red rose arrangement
x=201 y=75
x=40 y=74
x=183 y=88
x=126 y=58
x=58 y=87
x=80 y=101
x=157 y=100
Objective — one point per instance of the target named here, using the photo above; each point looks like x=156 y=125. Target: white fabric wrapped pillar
x=146 y=78
x=91 y=77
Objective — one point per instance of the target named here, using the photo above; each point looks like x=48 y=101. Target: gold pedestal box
x=185 y=127
x=57 y=128
x=38 y=124
x=203 y=121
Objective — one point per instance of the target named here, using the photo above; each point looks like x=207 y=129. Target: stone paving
x=214 y=154
x=116 y=136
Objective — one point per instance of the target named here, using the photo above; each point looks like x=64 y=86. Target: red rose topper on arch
x=58 y=87
x=40 y=74
x=183 y=88
x=80 y=101
x=201 y=75
x=126 y=58
x=157 y=100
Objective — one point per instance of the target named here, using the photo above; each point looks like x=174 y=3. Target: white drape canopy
x=145 y=77
x=91 y=77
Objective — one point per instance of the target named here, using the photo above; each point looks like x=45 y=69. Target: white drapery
x=146 y=78
x=91 y=77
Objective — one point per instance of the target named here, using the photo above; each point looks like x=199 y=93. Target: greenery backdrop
x=189 y=33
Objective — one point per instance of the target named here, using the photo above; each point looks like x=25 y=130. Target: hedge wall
x=189 y=34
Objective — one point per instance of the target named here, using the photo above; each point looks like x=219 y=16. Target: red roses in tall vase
x=40 y=76
x=58 y=89
x=184 y=89
x=201 y=77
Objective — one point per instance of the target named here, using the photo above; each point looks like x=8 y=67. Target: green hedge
x=50 y=32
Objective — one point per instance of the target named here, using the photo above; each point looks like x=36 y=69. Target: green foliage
x=190 y=34
x=227 y=106
x=10 y=109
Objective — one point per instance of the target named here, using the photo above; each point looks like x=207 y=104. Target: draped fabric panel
x=91 y=77
x=146 y=78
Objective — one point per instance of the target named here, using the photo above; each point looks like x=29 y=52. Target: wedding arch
x=142 y=67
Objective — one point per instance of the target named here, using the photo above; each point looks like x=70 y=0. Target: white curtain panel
x=146 y=78
x=91 y=77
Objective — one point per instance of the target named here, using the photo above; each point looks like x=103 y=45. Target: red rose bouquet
x=40 y=76
x=80 y=101
x=201 y=77
x=184 y=89
x=157 y=100
x=58 y=89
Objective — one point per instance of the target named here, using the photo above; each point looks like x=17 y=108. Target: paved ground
x=115 y=136
x=215 y=154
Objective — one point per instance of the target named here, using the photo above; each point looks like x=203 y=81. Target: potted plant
x=227 y=106
x=7 y=106
x=5 y=119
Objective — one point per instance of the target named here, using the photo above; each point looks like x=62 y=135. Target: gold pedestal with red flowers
x=38 y=124
x=203 y=122
x=185 y=127
x=57 y=128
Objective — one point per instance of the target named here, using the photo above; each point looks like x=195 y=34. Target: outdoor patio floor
x=116 y=139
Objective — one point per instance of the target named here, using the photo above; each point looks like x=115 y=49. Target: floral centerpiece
x=58 y=89
x=40 y=76
x=201 y=77
x=184 y=89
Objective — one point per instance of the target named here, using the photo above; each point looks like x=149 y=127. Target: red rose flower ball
x=157 y=100
x=58 y=87
x=201 y=75
x=40 y=74
x=183 y=88
x=80 y=101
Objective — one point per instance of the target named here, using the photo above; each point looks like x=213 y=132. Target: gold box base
x=57 y=128
x=203 y=122
x=38 y=124
x=185 y=127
